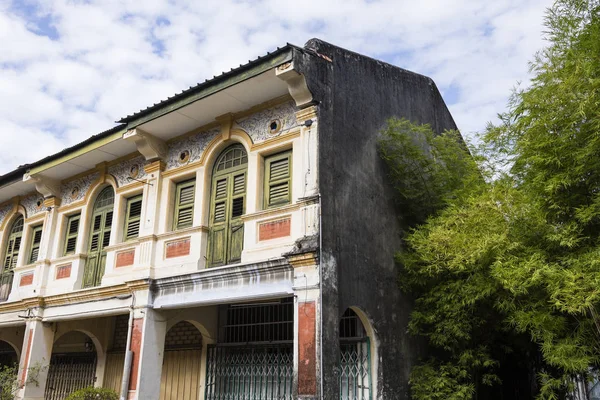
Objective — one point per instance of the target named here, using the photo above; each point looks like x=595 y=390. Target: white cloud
x=112 y=58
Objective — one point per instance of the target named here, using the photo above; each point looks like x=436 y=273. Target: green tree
x=506 y=270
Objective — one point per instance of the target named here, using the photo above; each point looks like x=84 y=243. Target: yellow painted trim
x=307 y=113
x=86 y=149
x=279 y=140
x=304 y=260
x=130 y=186
x=276 y=212
x=9 y=216
x=39 y=217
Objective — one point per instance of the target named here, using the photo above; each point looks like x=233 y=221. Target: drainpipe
x=321 y=293
x=128 y=356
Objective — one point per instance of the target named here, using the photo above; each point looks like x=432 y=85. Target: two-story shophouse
x=234 y=241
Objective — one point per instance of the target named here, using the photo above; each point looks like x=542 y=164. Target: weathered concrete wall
x=360 y=228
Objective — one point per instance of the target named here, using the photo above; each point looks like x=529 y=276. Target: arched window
x=99 y=237
x=355 y=359
x=227 y=205
x=14 y=244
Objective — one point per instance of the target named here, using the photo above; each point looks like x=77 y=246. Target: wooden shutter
x=278 y=179
x=36 y=240
x=133 y=217
x=71 y=234
x=184 y=204
x=14 y=244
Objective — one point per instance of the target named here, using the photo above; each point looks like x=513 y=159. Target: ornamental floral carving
x=76 y=190
x=33 y=204
x=258 y=125
x=189 y=149
x=133 y=168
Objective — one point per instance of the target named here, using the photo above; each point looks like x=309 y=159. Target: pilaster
x=35 y=359
x=148 y=357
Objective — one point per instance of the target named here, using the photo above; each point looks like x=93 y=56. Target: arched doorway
x=8 y=355
x=99 y=237
x=13 y=245
x=180 y=379
x=72 y=365
x=355 y=359
x=227 y=205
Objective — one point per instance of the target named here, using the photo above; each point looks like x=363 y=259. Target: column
x=35 y=359
x=148 y=345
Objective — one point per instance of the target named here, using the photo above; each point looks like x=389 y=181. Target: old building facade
x=234 y=241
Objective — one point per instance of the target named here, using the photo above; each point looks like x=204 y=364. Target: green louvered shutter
x=36 y=240
x=184 y=204
x=71 y=234
x=133 y=217
x=278 y=179
x=14 y=244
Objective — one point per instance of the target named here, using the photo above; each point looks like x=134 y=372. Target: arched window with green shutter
x=227 y=205
x=100 y=228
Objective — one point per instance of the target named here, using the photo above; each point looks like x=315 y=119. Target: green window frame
x=133 y=217
x=278 y=179
x=36 y=240
x=71 y=234
x=183 y=216
x=14 y=244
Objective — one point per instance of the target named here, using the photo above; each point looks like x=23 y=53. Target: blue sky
x=70 y=68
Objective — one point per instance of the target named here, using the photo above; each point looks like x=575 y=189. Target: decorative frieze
x=125 y=258
x=26 y=279
x=63 y=271
x=189 y=149
x=178 y=248
x=271 y=122
x=4 y=211
x=76 y=190
x=33 y=204
x=128 y=171
x=274 y=229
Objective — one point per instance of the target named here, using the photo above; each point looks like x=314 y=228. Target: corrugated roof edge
x=208 y=82
x=17 y=174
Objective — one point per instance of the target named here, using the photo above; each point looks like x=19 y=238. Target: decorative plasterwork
x=133 y=168
x=75 y=190
x=195 y=145
x=296 y=84
x=33 y=204
x=4 y=211
x=258 y=125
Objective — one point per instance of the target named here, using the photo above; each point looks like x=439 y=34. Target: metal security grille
x=254 y=359
x=250 y=373
x=262 y=322
x=355 y=359
x=68 y=373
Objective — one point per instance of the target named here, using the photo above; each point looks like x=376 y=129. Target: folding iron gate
x=68 y=373
x=250 y=372
x=355 y=377
x=355 y=359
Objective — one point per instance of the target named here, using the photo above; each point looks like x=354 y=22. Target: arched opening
x=227 y=205
x=180 y=379
x=355 y=359
x=100 y=227
x=8 y=355
x=11 y=255
x=72 y=365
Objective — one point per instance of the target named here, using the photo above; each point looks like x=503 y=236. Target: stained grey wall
x=360 y=228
